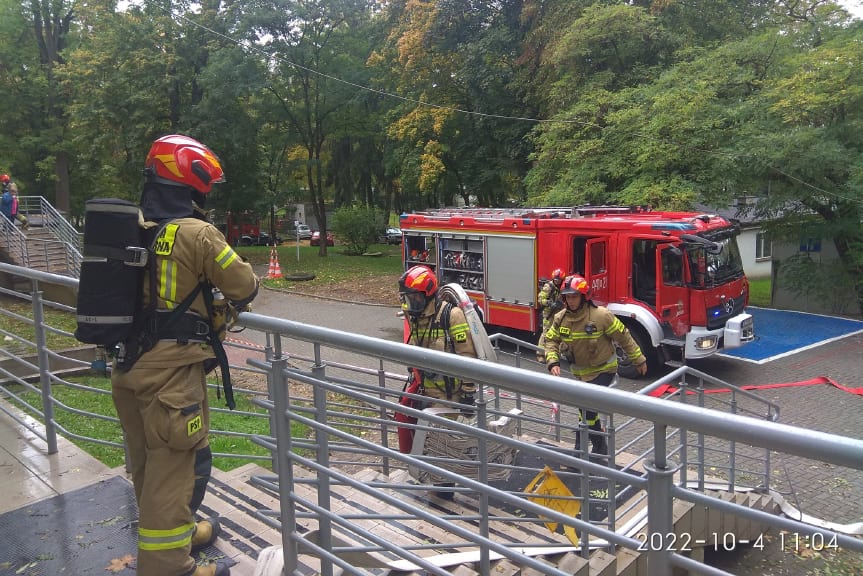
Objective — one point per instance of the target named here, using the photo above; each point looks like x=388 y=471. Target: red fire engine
x=674 y=278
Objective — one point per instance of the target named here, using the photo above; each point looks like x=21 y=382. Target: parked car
x=315 y=240
x=303 y=232
x=392 y=236
x=261 y=240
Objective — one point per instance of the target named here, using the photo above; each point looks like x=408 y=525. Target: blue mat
x=780 y=332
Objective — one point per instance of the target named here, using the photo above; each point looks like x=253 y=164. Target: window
x=672 y=267
x=810 y=245
x=597 y=258
x=763 y=246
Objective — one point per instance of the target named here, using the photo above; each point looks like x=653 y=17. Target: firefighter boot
x=206 y=532
x=598 y=442
x=445 y=494
x=468 y=404
x=578 y=451
x=212 y=569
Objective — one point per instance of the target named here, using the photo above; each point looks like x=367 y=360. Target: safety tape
x=669 y=389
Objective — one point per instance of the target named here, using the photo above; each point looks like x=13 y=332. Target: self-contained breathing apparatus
x=118 y=251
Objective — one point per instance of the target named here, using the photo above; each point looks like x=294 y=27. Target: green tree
x=311 y=69
x=453 y=62
x=358 y=227
x=21 y=107
x=36 y=37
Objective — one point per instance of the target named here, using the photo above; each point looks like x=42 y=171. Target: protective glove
x=556 y=306
x=232 y=315
x=468 y=404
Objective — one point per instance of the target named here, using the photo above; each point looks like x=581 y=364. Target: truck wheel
x=625 y=367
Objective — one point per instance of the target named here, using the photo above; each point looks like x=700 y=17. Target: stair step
x=575 y=564
x=602 y=564
x=235 y=500
x=630 y=563
x=528 y=531
x=233 y=497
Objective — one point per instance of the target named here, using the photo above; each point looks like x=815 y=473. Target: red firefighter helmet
x=575 y=284
x=557 y=276
x=416 y=287
x=4 y=179
x=183 y=160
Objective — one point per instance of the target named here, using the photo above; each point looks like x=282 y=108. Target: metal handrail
x=13 y=241
x=40 y=212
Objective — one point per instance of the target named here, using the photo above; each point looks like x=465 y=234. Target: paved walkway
x=29 y=474
x=828 y=492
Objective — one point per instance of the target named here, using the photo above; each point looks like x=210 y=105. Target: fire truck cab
x=674 y=278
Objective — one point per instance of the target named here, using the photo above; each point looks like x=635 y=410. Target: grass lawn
x=334 y=266
x=246 y=419
x=759 y=292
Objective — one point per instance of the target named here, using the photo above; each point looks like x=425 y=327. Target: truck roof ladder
x=551 y=212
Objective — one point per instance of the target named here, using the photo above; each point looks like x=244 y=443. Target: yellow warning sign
x=551 y=492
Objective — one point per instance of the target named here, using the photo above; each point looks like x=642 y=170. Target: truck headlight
x=706 y=342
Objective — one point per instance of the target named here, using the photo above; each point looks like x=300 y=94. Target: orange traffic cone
x=275 y=271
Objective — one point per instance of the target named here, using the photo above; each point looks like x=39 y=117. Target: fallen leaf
x=118 y=564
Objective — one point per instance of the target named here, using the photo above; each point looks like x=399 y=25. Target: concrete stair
x=46 y=253
x=244 y=537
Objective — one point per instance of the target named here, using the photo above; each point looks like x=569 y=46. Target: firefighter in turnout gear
x=161 y=395
x=590 y=331
x=436 y=325
x=549 y=305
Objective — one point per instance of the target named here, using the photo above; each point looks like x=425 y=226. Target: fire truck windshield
x=714 y=261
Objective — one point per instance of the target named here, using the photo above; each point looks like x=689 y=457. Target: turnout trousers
x=165 y=417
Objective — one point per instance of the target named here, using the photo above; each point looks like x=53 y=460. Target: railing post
x=611 y=493
x=701 y=447
x=269 y=355
x=584 y=443
x=281 y=401
x=660 y=526
x=44 y=369
x=325 y=526
x=683 y=434
x=382 y=414
x=482 y=476
x=732 y=447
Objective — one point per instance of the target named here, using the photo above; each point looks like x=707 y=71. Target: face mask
x=413 y=302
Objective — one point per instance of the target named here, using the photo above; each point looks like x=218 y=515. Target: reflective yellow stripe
x=460 y=331
x=590 y=370
x=422 y=334
x=179 y=537
x=225 y=257
x=164 y=245
x=168 y=282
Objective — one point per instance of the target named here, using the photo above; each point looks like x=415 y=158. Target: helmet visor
x=413 y=302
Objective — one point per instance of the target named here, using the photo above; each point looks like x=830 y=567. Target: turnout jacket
x=548 y=295
x=189 y=251
x=430 y=331
x=590 y=332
